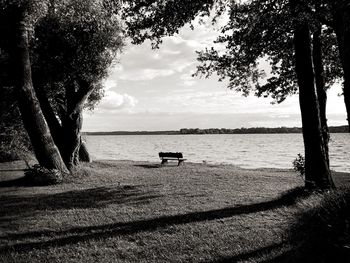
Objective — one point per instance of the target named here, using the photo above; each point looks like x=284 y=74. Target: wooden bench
x=169 y=156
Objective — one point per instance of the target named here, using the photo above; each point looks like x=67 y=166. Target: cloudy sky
x=153 y=90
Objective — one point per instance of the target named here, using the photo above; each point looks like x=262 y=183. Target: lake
x=243 y=150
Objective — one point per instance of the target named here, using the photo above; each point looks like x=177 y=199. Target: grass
x=140 y=212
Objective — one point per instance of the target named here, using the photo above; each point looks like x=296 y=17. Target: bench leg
x=180 y=162
x=164 y=161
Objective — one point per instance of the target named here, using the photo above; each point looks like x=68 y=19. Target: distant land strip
x=256 y=130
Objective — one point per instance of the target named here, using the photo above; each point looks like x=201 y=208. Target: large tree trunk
x=56 y=128
x=317 y=172
x=320 y=87
x=341 y=17
x=44 y=147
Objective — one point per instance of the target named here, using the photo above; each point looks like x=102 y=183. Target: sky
x=152 y=90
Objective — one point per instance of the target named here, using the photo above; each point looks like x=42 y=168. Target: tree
x=19 y=16
x=75 y=45
x=340 y=10
x=256 y=30
x=317 y=173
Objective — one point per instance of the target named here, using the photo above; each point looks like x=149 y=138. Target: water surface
x=244 y=150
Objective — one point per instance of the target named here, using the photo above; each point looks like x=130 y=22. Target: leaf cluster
x=152 y=19
x=75 y=43
x=259 y=31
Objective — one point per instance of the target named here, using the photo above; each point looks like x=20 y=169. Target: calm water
x=244 y=150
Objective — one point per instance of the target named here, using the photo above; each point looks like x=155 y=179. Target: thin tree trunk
x=72 y=138
x=320 y=87
x=72 y=124
x=84 y=155
x=341 y=17
x=317 y=172
x=44 y=147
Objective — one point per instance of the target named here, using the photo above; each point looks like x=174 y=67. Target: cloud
x=113 y=101
x=227 y=102
x=145 y=74
x=188 y=80
x=109 y=84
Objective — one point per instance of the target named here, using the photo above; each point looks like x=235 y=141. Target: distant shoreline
x=257 y=130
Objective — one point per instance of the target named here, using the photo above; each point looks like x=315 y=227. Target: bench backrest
x=170 y=154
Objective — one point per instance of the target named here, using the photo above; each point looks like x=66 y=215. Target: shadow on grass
x=255 y=254
x=149 y=166
x=74 y=235
x=18 y=207
x=11 y=170
x=22 y=181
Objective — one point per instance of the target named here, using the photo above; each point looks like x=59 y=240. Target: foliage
x=151 y=19
x=299 y=165
x=75 y=44
x=14 y=142
x=260 y=31
x=39 y=175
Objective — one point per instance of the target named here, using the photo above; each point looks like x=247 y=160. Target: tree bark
x=50 y=116
x=55 y=126
x=321 y=89
x=317 y=172
x=341 y=18
x=44 y=147
x=72 y=139
x=72 y=124
x=84 y=155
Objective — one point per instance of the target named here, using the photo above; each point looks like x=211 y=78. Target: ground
x=123 y=211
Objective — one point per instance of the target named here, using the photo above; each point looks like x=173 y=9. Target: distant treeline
x=338 y=129
x=241 y=130
x=256 y=130
x=133 y=133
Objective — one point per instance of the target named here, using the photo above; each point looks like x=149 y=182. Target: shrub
x=39 y=175
x=299 y=165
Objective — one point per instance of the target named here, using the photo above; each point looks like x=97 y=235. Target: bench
x=169 y=156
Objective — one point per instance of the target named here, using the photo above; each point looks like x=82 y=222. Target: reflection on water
x=244 y=150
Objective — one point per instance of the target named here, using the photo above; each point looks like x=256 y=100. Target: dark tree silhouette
x=75 y=45
x=18 y=25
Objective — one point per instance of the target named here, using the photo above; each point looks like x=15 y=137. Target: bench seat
x=171 y=156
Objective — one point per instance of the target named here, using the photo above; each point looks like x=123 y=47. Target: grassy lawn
x=140 y=212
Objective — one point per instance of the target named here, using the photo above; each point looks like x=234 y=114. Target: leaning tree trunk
x=317 y=172
x=34 y=122
x=50 y=116
x=341 y=17
x=320 y=87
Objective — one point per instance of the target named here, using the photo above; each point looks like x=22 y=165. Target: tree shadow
x=11 y=170
x=22 y=181
x=254 y=254
x=149 y=166
x=74 y=235
x=18 y=207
